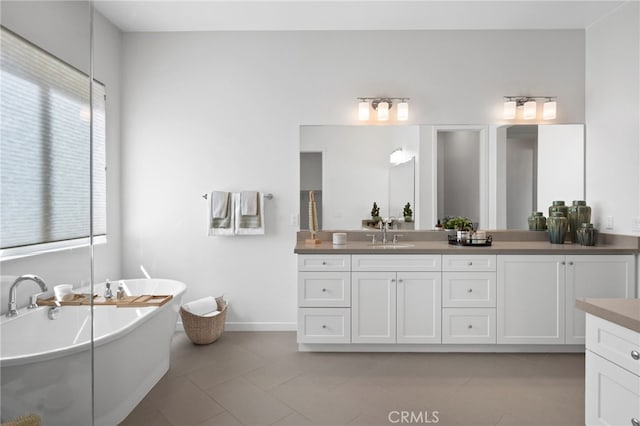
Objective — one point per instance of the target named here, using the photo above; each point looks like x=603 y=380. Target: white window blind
x=45 y=148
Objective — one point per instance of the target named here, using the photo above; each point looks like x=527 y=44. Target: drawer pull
x=571 y=263
x=324 y=326
x=400 y=280
x=635 y=422
x=469 y=326
x=324 y=290
x=470 y=263
x=324 y=263
x=635 y=355
x=470 y=290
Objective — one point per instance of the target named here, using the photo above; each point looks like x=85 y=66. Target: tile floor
x=248 y=378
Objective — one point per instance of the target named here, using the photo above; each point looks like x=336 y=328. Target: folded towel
x=250 y=224
x=219 y=204
x=249 y=203
x=223 y=225
x=207 y=306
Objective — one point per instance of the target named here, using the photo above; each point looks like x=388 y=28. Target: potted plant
x=458 y=223
x=407 y=213
x=375 y=213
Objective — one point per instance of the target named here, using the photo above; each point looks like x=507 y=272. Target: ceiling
x=306 y=15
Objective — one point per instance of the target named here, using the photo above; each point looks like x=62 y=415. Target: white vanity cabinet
x=324 y=299
x=396 y=299
x=612 y=374
x=595 y=276
x=530 y=299
x=537 y=294
x=469 y=299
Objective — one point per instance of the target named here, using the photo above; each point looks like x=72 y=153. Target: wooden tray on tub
x=126 y=302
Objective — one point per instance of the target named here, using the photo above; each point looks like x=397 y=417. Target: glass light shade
x=383 y=111
x=549 y=110
x=396 y=157
x=509 y=112
x=363 y=110
x=530 y=108
x=403 y=111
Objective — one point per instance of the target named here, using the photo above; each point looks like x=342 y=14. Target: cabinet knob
x=635 y=355
x=324 y=290
x=400 y=280
x=470 y=263
x=393 y=280
x=324 y=326
x=470 y=290
x=324 y=263
x=571 y=263
x=635 y=422
x=469 y=326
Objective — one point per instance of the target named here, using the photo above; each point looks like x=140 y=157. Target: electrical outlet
x=635 y=224
x=295 y=219
x=609 y=222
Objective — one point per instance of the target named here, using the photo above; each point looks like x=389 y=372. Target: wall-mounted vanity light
x=382 y=107
x=529 y=107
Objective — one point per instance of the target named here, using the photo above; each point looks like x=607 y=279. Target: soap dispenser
x=108 y=294
x=120 y=292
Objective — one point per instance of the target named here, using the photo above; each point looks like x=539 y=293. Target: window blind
x=45 y=148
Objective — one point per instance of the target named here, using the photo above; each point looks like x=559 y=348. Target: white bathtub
x=46 y=364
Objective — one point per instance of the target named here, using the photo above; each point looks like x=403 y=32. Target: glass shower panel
x=45 y=186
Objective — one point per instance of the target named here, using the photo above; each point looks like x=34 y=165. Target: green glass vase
x=557 y=227
x=559 y=206
x=579 y=213
x=537 y=222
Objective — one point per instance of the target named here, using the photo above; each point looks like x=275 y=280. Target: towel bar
x=267 y=196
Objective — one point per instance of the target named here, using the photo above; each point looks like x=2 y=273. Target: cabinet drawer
x=324 y=262
x=471 y=262
x=324 y=289
x=613 y=342
x=468 y=325
x=396 y=262
x=612 y=394
x=324 y=325
x=469 y=289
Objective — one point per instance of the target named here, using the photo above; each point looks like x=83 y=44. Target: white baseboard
x=253 y=326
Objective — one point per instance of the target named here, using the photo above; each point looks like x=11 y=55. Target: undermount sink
x=390 y=246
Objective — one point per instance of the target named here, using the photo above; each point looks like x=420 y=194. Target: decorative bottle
x=557 y=227
x=587 y=235
x=579 y=213
x=558 y=206
x=537 y=222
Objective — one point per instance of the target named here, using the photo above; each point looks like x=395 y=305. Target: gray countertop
x=443 y=247
x=624 y=312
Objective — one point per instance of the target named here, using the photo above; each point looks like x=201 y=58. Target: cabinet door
x=612 y=394
x=607 y=276
x=530 y=305
x=418 y=307
x=373 y=307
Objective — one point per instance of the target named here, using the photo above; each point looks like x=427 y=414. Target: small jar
x=587 y=235
x=537 y=222
x=463 y=236
x=579 y=213
x=558 y=206
x=557 y=227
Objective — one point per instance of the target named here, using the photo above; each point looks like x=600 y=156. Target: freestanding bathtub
x=46 y=364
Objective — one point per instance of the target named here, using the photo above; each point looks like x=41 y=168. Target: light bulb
x=549 y=110
x=530 y=108
x=403 y=111
x=363 y=110
x=509 y=112
x=383 y=111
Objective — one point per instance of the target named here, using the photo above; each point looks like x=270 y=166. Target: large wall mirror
x=494 y=174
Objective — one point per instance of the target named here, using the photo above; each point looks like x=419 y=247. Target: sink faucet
x=383 y=231
x=13 y=308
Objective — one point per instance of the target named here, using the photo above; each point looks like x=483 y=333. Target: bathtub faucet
x=13 y=307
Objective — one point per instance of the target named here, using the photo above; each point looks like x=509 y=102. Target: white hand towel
x=249 y=203
x=250 y=225
x=219 y=204
x=202 y=307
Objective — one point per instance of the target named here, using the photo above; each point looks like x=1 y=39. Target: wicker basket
x=204 y=330
x=28 y=420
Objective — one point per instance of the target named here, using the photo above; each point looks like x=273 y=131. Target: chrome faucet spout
x=13 y=307
x=383 y=230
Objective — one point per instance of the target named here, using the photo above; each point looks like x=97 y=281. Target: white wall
x=612 y=114
x=62 y=28
x=222 y=110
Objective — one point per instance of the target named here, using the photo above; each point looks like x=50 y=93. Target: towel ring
x=267 y=196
